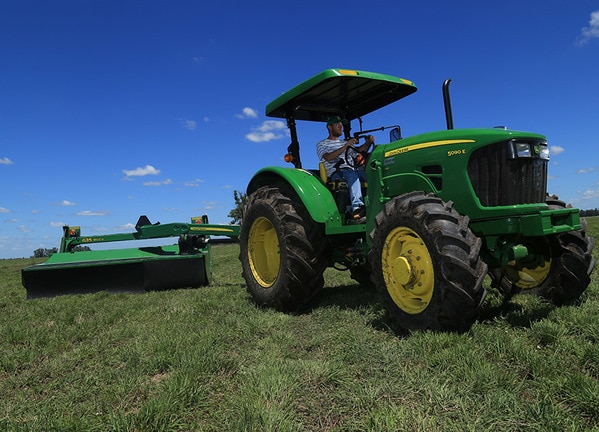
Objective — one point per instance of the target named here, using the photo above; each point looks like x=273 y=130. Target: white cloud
x=57 y=224
x=92 y=213
x=158 y=183
x=268 y=131
x=140 y=172
x=6 y=161
x=193 y=183
x=554 y=150
x=189 y=124
x=4 y=210
x=247 y=112
x=590 y=194
x=127 y=226
x=67 y=203
x=210 y=205
x=585 y=170
x=24 y=229
x=590 y=32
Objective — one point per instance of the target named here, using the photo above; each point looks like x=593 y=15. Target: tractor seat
x=322 y=171
x=327 y=181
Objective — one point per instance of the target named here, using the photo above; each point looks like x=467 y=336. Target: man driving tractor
x=332 y=152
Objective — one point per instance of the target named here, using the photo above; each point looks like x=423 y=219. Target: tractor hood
x=347 y=93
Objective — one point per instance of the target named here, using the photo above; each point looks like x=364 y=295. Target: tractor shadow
x=520 y=311
x=352 y=297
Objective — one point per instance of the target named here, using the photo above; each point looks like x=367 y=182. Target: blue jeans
x=353 y=177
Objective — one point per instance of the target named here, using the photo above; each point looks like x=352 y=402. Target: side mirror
x=395 y=134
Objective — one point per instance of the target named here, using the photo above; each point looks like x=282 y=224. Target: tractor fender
x=317 y=199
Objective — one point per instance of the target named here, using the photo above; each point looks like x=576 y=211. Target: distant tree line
x=44 y=253
x=585 y=213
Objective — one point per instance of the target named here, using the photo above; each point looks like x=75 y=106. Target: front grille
x=498 y=180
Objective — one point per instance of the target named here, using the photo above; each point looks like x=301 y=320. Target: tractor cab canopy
x=349 y=94
x=339 y=92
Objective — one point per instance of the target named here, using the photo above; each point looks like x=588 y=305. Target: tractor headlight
x=522 y=150
x=544 y=151
x=527 y=150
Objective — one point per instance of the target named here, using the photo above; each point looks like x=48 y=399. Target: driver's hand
x=351 y=142
x=370 y=139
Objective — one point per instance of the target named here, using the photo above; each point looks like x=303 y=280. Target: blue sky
x=113 y=109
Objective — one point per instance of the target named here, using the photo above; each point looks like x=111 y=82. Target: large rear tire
x=565 y=273
x=426 y=264
x=282 y=250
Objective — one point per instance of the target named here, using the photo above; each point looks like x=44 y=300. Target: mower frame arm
x=72 y=237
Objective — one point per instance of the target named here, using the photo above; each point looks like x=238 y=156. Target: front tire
x=282 y=250
x=565 y=273
x=426 y=264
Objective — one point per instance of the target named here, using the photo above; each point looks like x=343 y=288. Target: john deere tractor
x=443 y=210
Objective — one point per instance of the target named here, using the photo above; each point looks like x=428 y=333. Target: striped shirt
x=328 y=146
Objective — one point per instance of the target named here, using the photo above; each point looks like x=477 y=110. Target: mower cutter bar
x=184 y=265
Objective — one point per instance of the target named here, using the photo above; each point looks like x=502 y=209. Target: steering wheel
x=355 y=158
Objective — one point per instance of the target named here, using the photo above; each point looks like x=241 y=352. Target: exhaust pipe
x=447 y=103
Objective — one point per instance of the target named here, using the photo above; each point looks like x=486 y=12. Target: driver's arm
x=329 y=157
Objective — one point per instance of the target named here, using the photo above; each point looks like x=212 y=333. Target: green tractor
x=443 y=210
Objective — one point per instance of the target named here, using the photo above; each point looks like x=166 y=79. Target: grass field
x=209 y=360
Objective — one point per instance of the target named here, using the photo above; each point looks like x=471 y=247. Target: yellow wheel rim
x=527 y=278
x=263 y=252
x=408 y=270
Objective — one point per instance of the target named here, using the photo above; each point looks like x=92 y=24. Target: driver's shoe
x=359 y=215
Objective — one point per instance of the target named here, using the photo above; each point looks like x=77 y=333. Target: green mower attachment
x=184 y=265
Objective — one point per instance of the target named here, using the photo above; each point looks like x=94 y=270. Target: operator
x=331 y=151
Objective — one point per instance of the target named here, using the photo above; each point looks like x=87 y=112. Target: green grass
x=208 y=359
